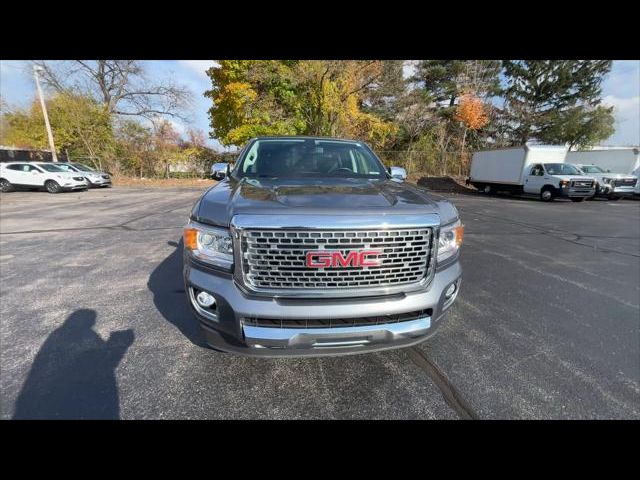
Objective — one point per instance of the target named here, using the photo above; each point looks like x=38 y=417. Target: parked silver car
x=610 y=185
x=94 y=178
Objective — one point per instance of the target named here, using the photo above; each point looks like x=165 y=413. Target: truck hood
x=325 y=196
x=573 y=177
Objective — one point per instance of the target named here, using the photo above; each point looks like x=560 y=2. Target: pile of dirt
x=446 y=184
x=162 y=182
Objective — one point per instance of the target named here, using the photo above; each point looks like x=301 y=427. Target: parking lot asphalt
x=94 y=320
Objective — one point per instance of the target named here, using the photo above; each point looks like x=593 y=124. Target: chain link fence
x=431 y=163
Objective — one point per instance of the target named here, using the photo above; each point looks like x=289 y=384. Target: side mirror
x=398 y=172
x=608 y=171
x=219 y=170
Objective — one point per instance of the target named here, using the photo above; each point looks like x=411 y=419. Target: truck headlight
x=209 y=244
x=450 y=241
x=607 y=180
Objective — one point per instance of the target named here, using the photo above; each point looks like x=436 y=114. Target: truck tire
x=52 y=186
x=547 y=194
x=487 y=189
x=613 y=197
x=5 y=185
x=577 y=199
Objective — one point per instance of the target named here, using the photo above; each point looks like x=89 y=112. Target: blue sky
x=621 y=89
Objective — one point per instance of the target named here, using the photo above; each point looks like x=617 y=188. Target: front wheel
x=547 y=195
x=577 y=199
x=5 y=185
x=52 y=186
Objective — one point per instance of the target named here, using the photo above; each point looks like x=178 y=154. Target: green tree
x=556 y=100
x=79 y=125
x=276 y=97
x=443 y=81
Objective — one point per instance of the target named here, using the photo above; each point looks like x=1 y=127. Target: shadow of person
x=73 y=374
x=167 y=285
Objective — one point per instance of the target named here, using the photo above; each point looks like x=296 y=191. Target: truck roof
x=305 y=137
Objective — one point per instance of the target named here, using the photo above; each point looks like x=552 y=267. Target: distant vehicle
x=39 y=175
x=610 y=185
x=219 y=170
x=624 y=160
x=530 y=169
x=94 y=177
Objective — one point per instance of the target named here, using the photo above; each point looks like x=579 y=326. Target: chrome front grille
x=276 y=259
x=624 y=182
x=582 y=183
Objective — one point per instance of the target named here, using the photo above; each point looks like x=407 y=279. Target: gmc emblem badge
x=334 y=258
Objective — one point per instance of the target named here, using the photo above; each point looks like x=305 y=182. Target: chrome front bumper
x=228 y=330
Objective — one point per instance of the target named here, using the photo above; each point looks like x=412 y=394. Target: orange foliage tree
x=473 y=115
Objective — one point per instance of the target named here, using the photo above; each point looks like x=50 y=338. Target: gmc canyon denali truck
x=310 y=247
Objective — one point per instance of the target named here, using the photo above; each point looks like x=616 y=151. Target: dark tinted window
x=20 y=167
x=309 y=158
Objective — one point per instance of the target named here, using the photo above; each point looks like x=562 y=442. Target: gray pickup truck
x=309 y=246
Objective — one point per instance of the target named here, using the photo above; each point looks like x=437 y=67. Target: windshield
x=561 y=169
x=50 y=168
x=83 y=168
x=298 y=157
x=66 y=167
x=591 y=169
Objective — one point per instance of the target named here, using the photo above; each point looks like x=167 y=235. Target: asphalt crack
x=452 y=397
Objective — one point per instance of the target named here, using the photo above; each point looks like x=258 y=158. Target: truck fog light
x=206 y=300
x=451 y=290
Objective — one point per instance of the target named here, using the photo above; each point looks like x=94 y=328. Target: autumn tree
x=79 y=124
x=274 y=97
x=472 y=114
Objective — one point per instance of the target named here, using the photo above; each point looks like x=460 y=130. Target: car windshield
x=50 y=168
x=83 y=168
x=298 y=157
x=591 y=169
x=561 y=169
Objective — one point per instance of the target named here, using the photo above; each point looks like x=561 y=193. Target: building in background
x=13 y=154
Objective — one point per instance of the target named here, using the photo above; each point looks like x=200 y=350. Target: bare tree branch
x=120 y=85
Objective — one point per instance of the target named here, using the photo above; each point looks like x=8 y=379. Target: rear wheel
x=547 y=195
x=487 y=189
x=52 y=186
x=577 y=199
x=5 y=185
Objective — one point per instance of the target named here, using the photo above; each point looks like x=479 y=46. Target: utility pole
x=44 y=113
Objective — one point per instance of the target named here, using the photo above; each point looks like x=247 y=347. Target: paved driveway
x=94 y=322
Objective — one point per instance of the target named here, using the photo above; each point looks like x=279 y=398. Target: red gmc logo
x=329 y=258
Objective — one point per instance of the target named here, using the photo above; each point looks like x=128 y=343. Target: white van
x=530 y=169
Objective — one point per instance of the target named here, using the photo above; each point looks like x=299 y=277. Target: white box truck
x=623 y=160
x=530 y=169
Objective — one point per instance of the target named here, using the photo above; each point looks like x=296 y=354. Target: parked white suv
x=39 y=175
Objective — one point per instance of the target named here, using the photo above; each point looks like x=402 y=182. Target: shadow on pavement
x=170 y=298
x=73 y=374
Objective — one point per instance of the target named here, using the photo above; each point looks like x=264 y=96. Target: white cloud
x=198 y=66
x=627 y=113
